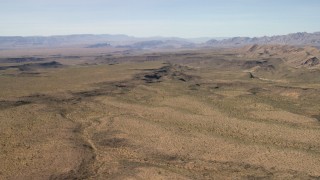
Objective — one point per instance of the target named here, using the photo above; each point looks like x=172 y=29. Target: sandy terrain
x=183 y=115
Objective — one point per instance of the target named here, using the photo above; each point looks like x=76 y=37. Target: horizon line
x=157 y=36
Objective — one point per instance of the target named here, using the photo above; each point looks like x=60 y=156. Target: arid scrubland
x=196 y=114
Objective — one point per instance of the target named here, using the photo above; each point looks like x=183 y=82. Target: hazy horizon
x=142 y=18
x=155 y=36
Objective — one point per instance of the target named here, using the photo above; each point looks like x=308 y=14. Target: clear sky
x=183 y=18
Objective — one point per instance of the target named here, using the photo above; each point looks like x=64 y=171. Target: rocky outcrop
x=311 y=62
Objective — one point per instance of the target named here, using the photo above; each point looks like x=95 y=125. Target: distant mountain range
x=164 y=44
x=94 y=41
x=61 y=41
x=300 y=39
x=124 y=41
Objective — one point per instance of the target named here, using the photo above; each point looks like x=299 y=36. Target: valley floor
x=159 y=119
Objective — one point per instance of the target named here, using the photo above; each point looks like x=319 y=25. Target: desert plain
x=228 y=113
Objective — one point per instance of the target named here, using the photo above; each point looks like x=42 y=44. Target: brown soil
x=155 y=119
